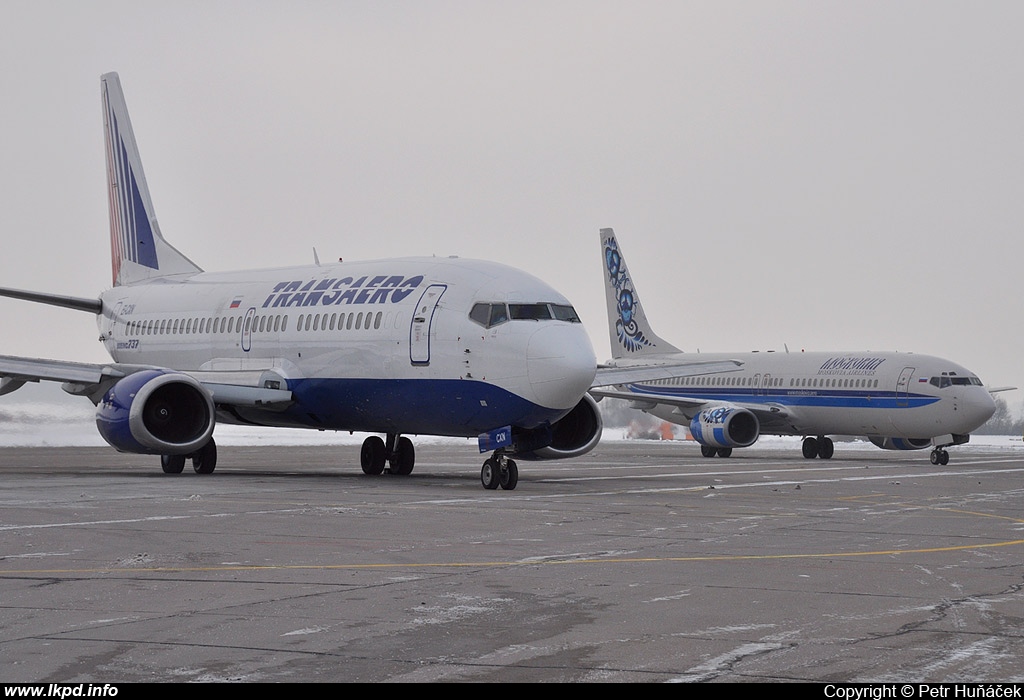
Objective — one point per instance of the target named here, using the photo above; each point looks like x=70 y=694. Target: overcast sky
x=822 y=175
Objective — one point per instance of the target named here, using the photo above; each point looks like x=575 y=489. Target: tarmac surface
x=640 y=562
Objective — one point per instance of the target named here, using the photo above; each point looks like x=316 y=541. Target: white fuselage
x=873 y=394
x=381 y=346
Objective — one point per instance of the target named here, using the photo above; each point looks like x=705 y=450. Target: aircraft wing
x=767 y=414
x=15 y=371
x=610 y=376
x=93 y=380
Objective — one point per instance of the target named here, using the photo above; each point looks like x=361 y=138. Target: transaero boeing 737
x=405 y=346
x=899 y=401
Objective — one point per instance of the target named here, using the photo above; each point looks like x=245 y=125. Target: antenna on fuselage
x=316 y=258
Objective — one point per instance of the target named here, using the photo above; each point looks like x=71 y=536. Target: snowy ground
x=72 y=424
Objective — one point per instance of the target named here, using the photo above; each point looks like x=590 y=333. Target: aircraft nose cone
x=560 y=364
x=978 y=407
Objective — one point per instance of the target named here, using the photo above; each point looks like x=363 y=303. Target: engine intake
x=156 y=412
x=575 y=434
x=901 y=443
x=725 y=426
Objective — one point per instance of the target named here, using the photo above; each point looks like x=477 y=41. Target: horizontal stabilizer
x=79 y=303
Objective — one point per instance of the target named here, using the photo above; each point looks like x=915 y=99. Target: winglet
x=629 y=332
x=138 y=250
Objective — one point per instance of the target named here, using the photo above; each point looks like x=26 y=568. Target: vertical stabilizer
x=138 y=251
x=629 y=332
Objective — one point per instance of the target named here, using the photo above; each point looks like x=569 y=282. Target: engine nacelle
x=725 y=426
x=575 y=434
x=901 y=443
x=156 y=412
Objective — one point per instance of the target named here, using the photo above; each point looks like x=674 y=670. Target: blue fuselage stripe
x=800 y=397
x=421 y=406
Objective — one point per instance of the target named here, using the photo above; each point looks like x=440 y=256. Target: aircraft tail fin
x=629 y=332
x=138 y=250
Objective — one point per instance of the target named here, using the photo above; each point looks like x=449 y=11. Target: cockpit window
x=481 y=313
x=529 y=312
x=490 y=315
x=951 y=379
x=564 y=312
x=499 y=314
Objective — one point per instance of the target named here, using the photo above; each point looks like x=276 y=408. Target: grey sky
x=827 y=175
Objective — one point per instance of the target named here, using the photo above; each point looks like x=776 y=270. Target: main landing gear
x=203 y=462
x=939 y=456
x=818 y=447
x=708 y=451
x=398 y=453
x=499 y=470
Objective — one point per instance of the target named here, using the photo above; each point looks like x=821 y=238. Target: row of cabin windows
x=812 y=382
x=189 y=326
x=324 y=322
x=276 y=323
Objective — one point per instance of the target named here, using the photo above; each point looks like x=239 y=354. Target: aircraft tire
x=725 y=452
x=205 y=460
x=706 y=451
x=509 y=476
x=172 y=464
x=944 y=458
x=404 y=459
x=826 y=448
x=373 y=455
x=490 y=475
x=810 y=448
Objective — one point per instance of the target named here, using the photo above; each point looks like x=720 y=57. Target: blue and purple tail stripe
x=131 y=235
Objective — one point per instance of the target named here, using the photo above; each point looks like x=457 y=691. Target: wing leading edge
x=93 y=380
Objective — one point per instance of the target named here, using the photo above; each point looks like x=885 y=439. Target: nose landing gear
x=499 y=470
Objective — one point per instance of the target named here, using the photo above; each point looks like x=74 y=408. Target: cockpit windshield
x=951 y=379
x=494 y=314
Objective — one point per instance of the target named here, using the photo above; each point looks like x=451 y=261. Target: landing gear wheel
x=172 y=464
x=939 y=456
x=205 y=460
x=826 y=448
x=725 y=452
x=373 y=455
x=707 y=451
x=404 y=457
x=509 y=476
x=490 y=474
x=810 y=448
x=944 y=459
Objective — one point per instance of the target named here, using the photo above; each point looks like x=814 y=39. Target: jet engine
x=901 y=443
x=156 y=412
x=575 y=434
x=726 y=427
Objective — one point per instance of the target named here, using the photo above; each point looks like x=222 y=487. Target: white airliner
x=405 y=346
x=899 y=401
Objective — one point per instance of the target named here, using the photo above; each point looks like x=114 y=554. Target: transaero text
x=923 y=690
x=379 y=289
